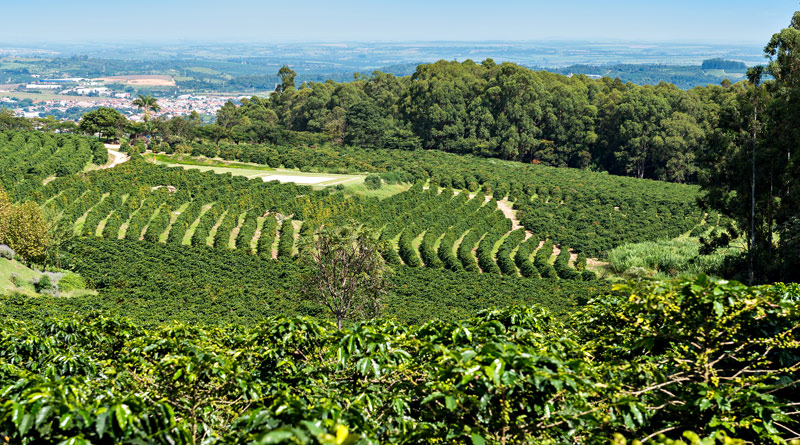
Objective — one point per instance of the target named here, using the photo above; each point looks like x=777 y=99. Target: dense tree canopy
x=107 y=122
x=505 y=111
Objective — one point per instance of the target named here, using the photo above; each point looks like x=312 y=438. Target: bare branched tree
x=347 y=274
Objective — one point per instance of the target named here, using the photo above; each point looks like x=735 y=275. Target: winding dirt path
x=505 y=207
x=117 y=156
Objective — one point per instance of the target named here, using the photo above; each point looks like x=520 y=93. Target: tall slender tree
x=148 y=104
x=757 y=138
x=754 y=75
x=287 y=76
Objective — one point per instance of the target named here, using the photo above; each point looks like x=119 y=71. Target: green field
x=204 y=162
x=12 y=267
x=253 y=171
x=723 y=73
x=25 y=277
x=201 y=69
x=49 y=96
x=11 y=65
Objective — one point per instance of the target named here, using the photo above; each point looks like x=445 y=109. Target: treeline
x=724 y=64
x=504 y=111
x=753 y=174
x=684 y=77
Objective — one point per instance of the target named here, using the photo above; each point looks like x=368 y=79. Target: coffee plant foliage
x=690 y=359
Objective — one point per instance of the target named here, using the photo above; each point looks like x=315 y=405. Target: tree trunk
x=751 y=273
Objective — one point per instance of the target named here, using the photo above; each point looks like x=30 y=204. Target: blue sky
x=734 y=21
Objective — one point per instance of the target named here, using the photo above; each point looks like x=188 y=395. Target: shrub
x=373 y=182
x=522 y=258
x=44 y=285
x=542 y=261
x=698 y=230
x=637 y=272
x=406 y=249
x=580 y=262
x=71 y=281
x=505 y=262
x=286 y=240
x=17 y=280
x=390 y=255
x=562 y=268
x=6 y=252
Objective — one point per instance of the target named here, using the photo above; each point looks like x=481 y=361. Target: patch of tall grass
x=669 y=257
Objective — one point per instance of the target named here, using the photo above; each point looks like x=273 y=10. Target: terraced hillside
x=589 y=212
x=449 y=218
x=430 y=227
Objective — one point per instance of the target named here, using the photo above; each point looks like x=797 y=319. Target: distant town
x=68 y=98
x=182 y=105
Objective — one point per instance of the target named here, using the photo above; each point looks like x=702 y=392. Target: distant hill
x=712 y=71
x=402 y=69
x=723 y=64
x=683 y=76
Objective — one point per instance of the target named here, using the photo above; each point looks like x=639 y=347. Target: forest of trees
x=505 y=111
x=723 y=64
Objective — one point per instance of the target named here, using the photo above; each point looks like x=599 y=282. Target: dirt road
x=117 y=156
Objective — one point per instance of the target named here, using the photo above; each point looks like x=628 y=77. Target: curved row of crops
x=421 y=227
x=28 y=158
x=590 y=212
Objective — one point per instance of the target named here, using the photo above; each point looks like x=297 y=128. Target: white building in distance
x=42 y=86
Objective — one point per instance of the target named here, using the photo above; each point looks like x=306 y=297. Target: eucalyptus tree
x=758 y=139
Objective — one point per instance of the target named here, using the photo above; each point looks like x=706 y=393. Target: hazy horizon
x=30 y=43
x=44 y=22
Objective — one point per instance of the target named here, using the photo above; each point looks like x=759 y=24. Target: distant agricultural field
x=141 y=80
x=49 y=96
x=201 y=69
